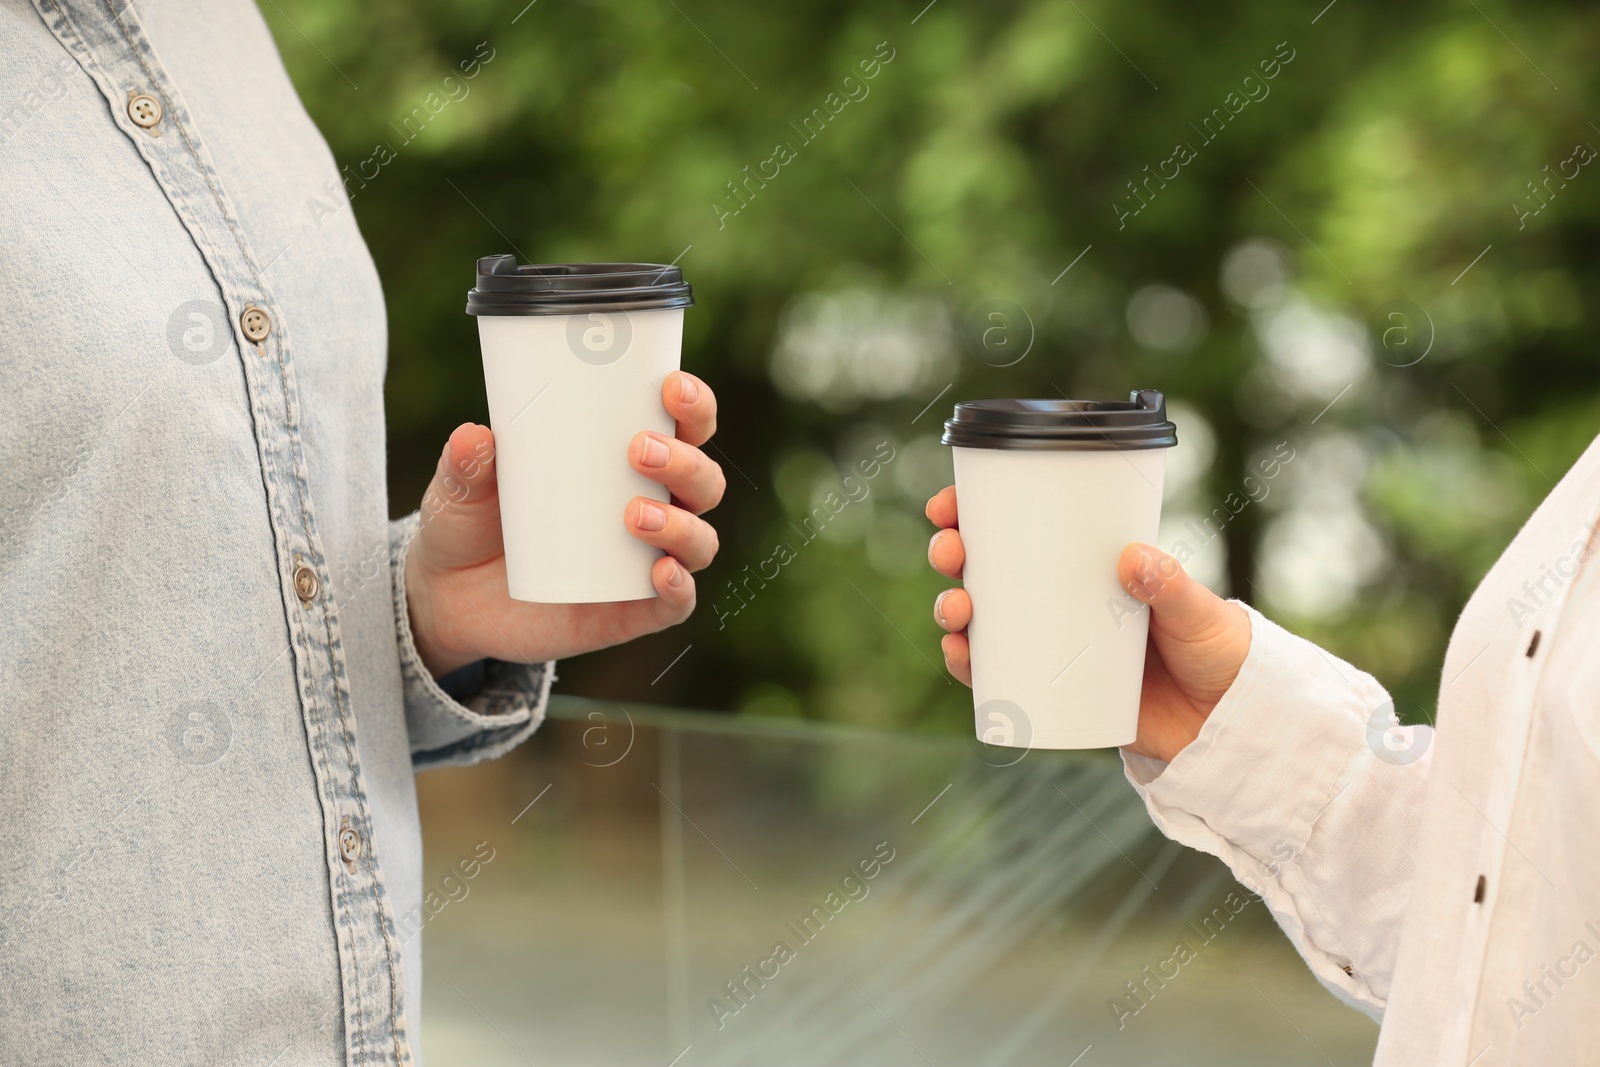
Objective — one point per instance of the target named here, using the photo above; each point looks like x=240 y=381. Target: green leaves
x=978 y=164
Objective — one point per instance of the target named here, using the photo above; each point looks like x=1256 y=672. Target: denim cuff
x=481 y=711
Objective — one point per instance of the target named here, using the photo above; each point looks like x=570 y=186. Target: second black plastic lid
x=1063 y=425
x=506 y=288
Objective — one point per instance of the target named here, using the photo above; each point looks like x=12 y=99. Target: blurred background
x=1358 y=235
x=613 y=894
x=1350 y=241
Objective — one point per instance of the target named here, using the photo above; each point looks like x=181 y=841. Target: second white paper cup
x=569 y=385
x=1057 y=644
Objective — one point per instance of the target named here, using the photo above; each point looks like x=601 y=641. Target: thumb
x=1180 y=606
x=460 y=513
x=465 y=473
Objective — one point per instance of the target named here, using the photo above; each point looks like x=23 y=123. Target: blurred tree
x=1360 y=234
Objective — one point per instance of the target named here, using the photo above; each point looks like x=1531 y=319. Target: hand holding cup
x=1197 y=642
x=456 y=589
x=574 y=523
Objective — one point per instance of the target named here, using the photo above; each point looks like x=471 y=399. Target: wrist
x=436 y=654
x=1175 y=732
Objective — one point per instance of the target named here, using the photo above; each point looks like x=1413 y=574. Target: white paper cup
x=1050 y=492
x=574 y=357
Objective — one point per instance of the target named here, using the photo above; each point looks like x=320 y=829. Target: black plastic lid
x=1063 y=425
x=504 y=288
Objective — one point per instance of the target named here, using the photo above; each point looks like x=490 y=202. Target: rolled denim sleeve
x=1313 y=806
x=479 y=712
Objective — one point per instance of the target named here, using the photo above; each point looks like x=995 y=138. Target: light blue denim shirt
x=210 y=704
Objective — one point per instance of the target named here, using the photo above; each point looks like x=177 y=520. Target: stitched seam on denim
x=294 y=432
x=205 y=171
x=97 y=74
x=357 y=793
x=271 y=473
x=316 y=736
x=341 y=916
x=341 y=692
x=67 y=25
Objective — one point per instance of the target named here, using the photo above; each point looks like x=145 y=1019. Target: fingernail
x=688 y=391
x=652 y=516
x=933 y=542
x=655 y=452
x=938 y=606
x=675 y=579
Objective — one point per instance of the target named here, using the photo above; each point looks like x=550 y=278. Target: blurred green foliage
x=992 y=149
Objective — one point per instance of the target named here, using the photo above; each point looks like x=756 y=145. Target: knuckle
x=691 y=461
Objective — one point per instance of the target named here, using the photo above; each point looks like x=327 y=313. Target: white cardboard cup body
x=1057 y=644
x=567 y=393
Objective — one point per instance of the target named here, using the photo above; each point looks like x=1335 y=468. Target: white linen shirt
x=1444 y=882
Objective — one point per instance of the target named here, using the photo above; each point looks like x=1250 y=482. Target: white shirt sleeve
x=1302 y=785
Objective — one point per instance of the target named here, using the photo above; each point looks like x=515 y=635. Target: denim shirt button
x=255 y=323
x=349 y=845
x=305 y=583
x=144 y=110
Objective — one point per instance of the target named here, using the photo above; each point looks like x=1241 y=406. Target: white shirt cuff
x=1270 y=757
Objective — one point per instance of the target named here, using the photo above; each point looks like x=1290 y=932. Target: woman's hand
x=456 y=569
x=1198 y=641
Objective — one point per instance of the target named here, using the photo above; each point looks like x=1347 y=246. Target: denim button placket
x=114 y=50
